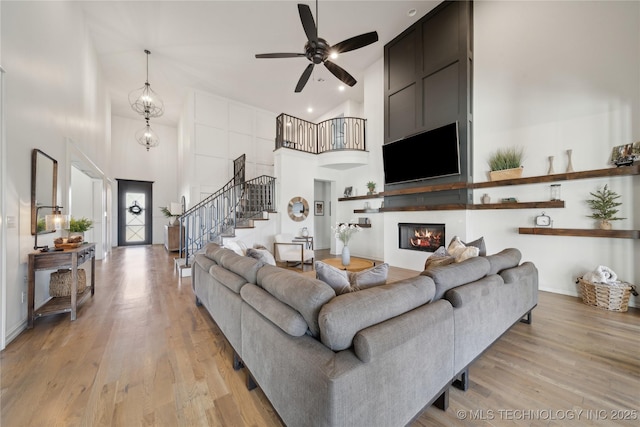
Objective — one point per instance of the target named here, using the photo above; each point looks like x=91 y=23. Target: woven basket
x=506 y=174
x=60 y=282
x=610 y=296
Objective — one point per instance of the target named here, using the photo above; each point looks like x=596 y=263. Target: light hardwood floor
x=142 y=354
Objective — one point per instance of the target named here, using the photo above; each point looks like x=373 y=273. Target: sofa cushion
x=334 y=277
x=345 y=315
x=262 y=255
x=449 y=276
x=241 y=265
x=507 y=258
x=227 y=278
x=211 y=249
x=219 y=253
x=283 y=316
x=304 y=294
x=374 y=276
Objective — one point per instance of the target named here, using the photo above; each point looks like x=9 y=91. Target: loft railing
x=340 y=133
x=233 y=205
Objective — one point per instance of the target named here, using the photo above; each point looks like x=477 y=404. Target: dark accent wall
x=428 y=75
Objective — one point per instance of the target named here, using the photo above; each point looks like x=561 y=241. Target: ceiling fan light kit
x=318 y=51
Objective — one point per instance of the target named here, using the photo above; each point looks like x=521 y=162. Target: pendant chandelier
x=144 y=100
x=147 y=136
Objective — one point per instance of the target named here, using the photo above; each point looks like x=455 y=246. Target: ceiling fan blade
x=308 y=23
x=278 y=55
x=340 y=73
x=355 y=42
x=304 y=78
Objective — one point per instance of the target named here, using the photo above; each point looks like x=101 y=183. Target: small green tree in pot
x=604 y=206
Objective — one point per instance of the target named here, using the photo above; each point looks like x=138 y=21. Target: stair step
x=238 y=227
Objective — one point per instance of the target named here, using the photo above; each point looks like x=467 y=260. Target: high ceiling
x=210 y=46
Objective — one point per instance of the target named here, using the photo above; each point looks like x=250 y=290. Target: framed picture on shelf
x=348 y=191
x=318 y=207
x=625 y=154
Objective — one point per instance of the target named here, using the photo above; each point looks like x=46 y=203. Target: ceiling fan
x=318 y=51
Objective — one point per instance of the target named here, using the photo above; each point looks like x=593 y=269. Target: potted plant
x=604 y=206
x=506 y=163
x=77 y=226
x=167 y=213
x=372 y=187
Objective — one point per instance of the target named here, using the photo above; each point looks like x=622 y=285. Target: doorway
x=322 y=214
x=135 y=219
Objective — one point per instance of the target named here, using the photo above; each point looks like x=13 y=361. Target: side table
x=69 y=258
x=307 y=239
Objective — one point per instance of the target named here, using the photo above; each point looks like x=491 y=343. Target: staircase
x=236 y=205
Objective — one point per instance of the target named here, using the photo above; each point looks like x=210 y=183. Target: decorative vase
x=550 y=171
x=603 y=224
x=570 y=165
x=305 y=232
x=346 y=256
x=485 y=199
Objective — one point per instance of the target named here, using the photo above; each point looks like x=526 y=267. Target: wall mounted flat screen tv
x=431 y=154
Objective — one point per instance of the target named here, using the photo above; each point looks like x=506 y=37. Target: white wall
x=132 y=161
x=54 y=93
x=214 y=132
x=552 y=76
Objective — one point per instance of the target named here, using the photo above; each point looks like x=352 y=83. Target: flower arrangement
x=345 y=231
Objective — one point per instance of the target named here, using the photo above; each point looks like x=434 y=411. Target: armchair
x=285 y=250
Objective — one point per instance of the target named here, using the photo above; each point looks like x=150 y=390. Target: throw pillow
x=478 y=243
x=261 y=255
x=460 y=251
x=336 y=278
x=374 y=276
x=439 y=257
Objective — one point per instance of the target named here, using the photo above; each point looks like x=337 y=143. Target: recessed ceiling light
x=309 y=110
x=412 y=12
x=341 y=88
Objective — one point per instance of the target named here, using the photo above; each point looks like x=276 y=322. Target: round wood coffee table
x=356 y=264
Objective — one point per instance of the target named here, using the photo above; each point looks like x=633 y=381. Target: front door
x=135 y=215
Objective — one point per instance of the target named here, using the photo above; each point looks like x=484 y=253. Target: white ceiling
x=210 y=46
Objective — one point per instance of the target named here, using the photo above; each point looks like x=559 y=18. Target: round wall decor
x=298 y=209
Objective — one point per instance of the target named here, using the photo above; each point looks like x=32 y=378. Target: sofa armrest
x=373 y=342
x=516 y=274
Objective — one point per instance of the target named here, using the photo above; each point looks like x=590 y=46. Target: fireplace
x=420 y=237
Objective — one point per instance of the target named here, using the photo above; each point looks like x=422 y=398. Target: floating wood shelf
x=462 y=206
x=365 y=197
x=597 y=173
x=366 y=211
x=621 y=234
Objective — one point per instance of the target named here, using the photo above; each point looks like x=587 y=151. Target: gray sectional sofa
x=375 y=357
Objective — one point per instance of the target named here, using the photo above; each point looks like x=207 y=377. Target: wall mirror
x=44 y=184
x=298 y=209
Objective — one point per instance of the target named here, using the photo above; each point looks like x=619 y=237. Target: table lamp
x=54 y=221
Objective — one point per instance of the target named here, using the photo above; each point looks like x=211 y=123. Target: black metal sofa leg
x=442 y=402
x=527 y=318
x=463 y=382
x=237 y=362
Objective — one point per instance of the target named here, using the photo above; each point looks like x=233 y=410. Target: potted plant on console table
x=506 y=163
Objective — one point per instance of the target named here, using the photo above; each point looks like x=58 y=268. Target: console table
x=69 y=258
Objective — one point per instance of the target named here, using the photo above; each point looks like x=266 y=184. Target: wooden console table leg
x=31 y=290
x=74 y=285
